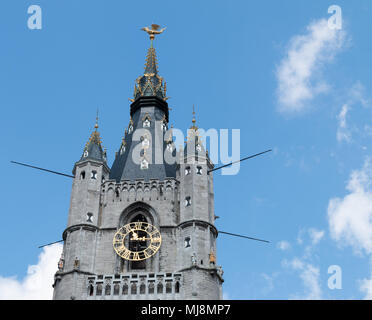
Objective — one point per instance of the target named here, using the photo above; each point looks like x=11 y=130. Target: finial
x=153 y=31
x=193 y=119
x=96 y=125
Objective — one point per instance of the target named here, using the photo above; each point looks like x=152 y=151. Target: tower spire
x=150 y=84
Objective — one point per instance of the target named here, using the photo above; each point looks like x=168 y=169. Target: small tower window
x=130 y=129
x=199 y=170
x=146 y=123
x=89 y=217
x=144 y=164
x=187 y=242
x=198 y=147
x=122 y=149
x=82 y=175
x=187 y=201
x=145 y=142
x=93 y=175
x=164 y=126
x=187 y=171
x=169 y=147
x=86 y=153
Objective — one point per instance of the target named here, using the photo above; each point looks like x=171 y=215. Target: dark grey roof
x=126 y=165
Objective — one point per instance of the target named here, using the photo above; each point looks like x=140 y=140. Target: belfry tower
x=143 y=229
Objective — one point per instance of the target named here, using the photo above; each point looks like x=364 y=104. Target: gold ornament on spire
x=153 y=31
x=193 y=119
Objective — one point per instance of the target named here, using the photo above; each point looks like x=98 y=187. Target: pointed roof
x=150 y=83
x=93 y=148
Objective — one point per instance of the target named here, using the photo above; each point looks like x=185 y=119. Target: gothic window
x=90 y=290
x=93 y=175
x=187 y=201
x=108 y=290
x=168 y=287
x=116 y=289
x=89 y=217
x=199 y=170
x=198 y=147
x=151 y=287
x=130 y=129
x=117 y=193
x=164 y=126
x=187 y=171
x=177 y=287
x=82 y=175
x=146 y=123
x=133 y=288
x=85 y=153
x=160 y=287
x=142 y=288
x=99 y=289
x=125 y=289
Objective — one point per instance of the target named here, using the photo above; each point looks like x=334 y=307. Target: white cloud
x=365 y=286
x=283 y=245
x=343 y=133
x=315 y=235
x=355 y=96
x=350 y=218
x=296 y=74
x=310 y=277
x=37 y=285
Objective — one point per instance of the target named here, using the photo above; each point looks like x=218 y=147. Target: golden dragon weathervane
x=153 y=31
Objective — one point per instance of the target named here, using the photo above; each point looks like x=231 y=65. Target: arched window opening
x=151 y=287
x=93 y=175
x=116 y=289
x=160 y=287
x=133 y=288
x=168 y=287
x=125 y=289
x=108 y=290
x=177 y=287
x=82 y=175
x=142 y=288
x=90 y=290
x=99 y=290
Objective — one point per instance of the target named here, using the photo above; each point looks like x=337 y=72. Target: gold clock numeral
x=137 y=225
x=135 y=256
x=126 y=254
x=147 y=254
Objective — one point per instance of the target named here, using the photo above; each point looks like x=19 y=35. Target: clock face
x=137 y=241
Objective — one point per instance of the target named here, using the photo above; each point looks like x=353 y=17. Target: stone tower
x=150 y=184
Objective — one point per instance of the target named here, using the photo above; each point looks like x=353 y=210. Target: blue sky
x=269 y=68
